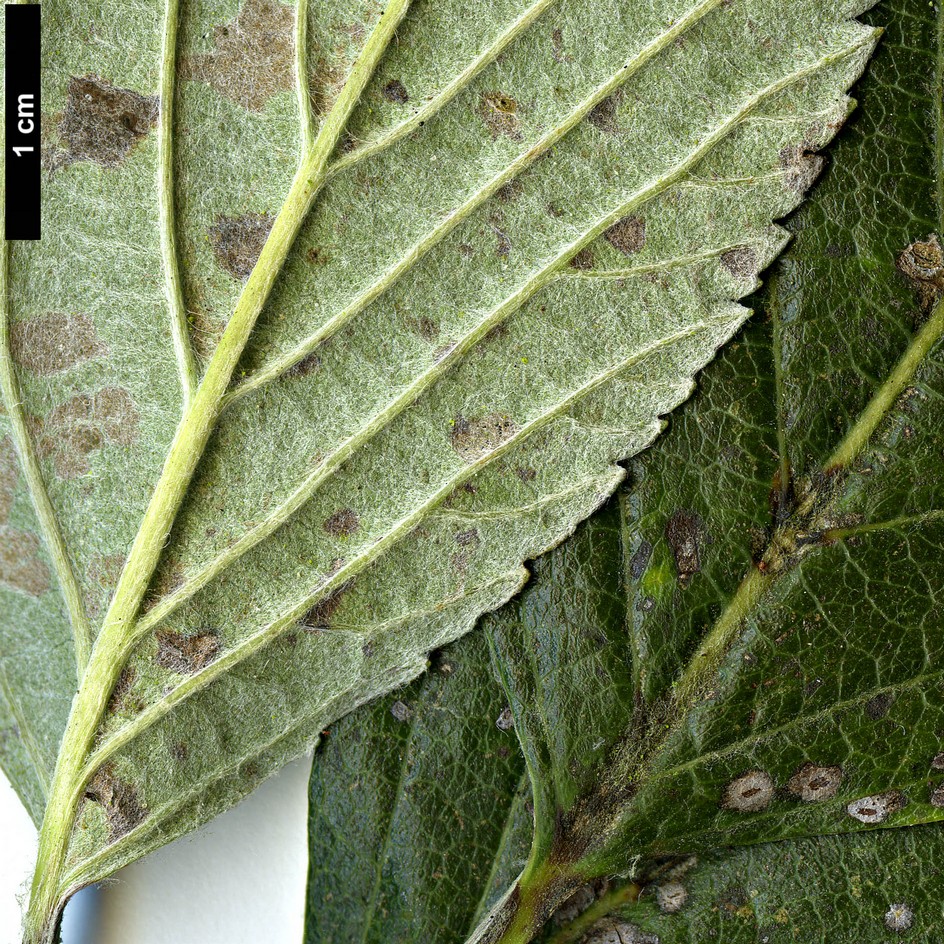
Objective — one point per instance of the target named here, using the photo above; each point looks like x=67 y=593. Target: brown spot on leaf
x=425 y=327
x=105 y=569
x=179 y=752
x=9 y=476
x=468 y=541
x=812 y=783
x=395 y=91
x=801 y=166
x=238 y=240
x=505 y=721
x=741 y=263
x=401 y=711
x=319 y=616
x=526 y=474
x=937 y=797
x=683 y=531
x=557 y=46
x=253 y=57
x=618 y=931
x=307 y=365
x=937 y=762
x=877 y=808
x=510 y=192
x=749 y=793
x=603 y=115
x=473 y=439
x=20 y=564
x=186 y=654
x=628 y=235
x=876 y=708
x=119 y=694
x=118 y=799
x=923 y=264
x=205 y=331
x=80 y=426
x=102 y=123
x=54 y=342
x=343 y=523
x=500 y=114
x=583 y=261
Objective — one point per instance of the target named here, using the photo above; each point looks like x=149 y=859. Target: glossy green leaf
x=750 y=649
x=343 y=312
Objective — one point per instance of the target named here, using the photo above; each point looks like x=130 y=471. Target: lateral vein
x=32 y=473
x=173 y=287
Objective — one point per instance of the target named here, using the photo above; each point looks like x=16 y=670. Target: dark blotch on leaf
x=20 y=564
x=812 y=783
x=343 y=523
x=500 y=114
x=603 y=115
x=319 y=616
x=628 y=235
x=801 y=166
x=54 y=342
x=9 y=476
x=741 y=263
x=102 y=122
x=254 y=55
x=395 y=91
x=186 y=654
x=683 y=531
x=473 y=439
x=84 y=424
x=238 y=240
x=876 y=708
x=118 y=799
x=583 y=261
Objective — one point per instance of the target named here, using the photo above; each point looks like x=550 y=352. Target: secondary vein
x=305 y=116
x=32 y=473
x=186 y=364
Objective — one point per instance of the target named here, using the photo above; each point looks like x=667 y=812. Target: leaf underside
x=531 y=235
x=787 y=531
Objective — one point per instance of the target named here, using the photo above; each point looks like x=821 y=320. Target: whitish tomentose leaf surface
x=746 y=645
x=344 y=311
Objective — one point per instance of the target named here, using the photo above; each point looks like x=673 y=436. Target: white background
x=239 y=880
